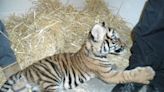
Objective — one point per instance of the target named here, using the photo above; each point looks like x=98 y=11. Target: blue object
x=7 y=56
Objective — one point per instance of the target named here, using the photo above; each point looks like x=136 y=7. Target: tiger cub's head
x=103 y=40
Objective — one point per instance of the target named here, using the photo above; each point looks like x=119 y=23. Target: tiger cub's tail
x=10 y=82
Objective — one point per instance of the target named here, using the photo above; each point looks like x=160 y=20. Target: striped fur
x=68 y=70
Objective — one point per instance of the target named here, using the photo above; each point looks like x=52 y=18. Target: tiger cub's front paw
x=143 y=74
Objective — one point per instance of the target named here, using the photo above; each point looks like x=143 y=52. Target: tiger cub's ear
x=98 y=32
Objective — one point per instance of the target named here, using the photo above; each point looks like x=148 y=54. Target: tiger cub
x=68 y=70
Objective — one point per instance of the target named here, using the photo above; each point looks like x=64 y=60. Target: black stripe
x=44 y=74
x=66 y=59
x=7 y=83
x=63 y=81
x=4 y=88
x=79 y=70
x=107 y=36
x=55 y=68
x=91 y=36
x=36 y=72
x=69 y=81
x=18 y=74
x=76 y=83
x=49 y=70
x=74 y=77
x=46 y=59
x=30 y=73
x=81 y=80
x=65 y=68
x=13 y=77
x=47 y=88
x=81 y=74
x=25 y=72
x=45 y=67
x=109 y=29
x=107 y=43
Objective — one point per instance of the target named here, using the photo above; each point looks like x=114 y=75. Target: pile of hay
x=51 y=27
